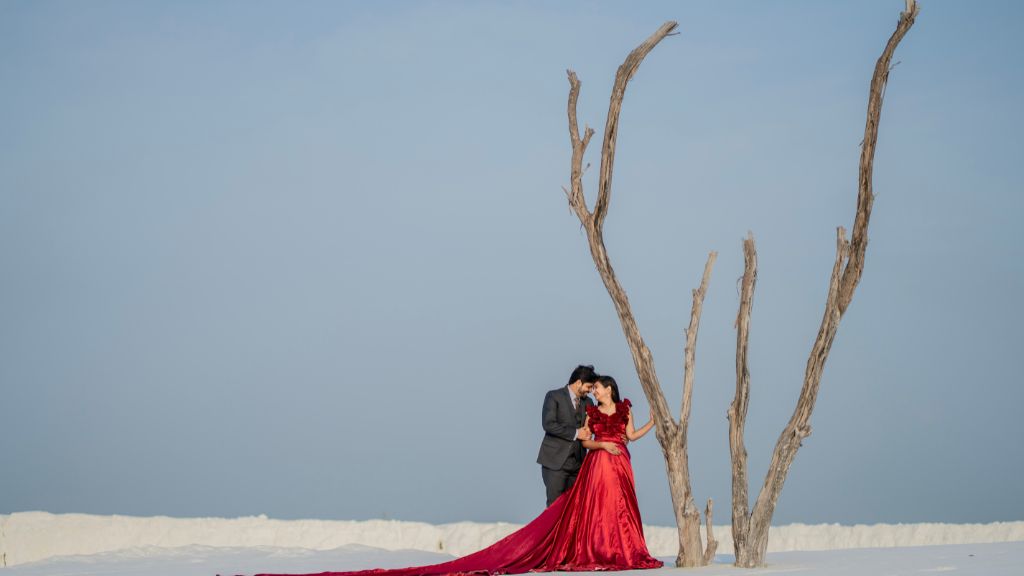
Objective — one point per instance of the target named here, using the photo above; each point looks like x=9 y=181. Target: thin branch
x=690 y=350
x=579 y=147
x=865 y=193
x=611 y=126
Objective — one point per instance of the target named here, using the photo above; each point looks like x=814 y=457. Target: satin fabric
x=593 y=526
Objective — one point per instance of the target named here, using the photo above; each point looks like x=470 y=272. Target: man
x=563 y=417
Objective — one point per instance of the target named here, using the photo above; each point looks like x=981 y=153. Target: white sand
x=1004 y=559
x=27 y=537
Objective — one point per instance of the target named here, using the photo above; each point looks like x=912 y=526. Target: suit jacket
x=560 y=421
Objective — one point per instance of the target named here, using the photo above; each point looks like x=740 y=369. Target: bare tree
x=670 y=433
x=750 y=530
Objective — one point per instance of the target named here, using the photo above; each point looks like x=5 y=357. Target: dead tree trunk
x=750 y=532
x=671 y=434
x=738 y=410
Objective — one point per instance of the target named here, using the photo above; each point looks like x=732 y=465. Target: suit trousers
x=556 y=482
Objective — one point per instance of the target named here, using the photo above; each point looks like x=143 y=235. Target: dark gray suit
x=560 y=456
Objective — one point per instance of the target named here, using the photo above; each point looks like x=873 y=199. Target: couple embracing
x=592 y=521
x=567 y=417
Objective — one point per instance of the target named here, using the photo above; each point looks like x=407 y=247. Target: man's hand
x=583 y=433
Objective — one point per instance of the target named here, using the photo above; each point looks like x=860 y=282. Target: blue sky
x=314 y=261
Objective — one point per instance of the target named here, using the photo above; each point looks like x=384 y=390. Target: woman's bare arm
x=634 y=434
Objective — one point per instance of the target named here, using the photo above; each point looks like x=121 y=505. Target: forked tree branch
x=593 y=223
x=579 y=147
x=844 y=281
x=750 y=536
x=671 y=435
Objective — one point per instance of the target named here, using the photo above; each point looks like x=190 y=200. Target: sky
x=314 y=260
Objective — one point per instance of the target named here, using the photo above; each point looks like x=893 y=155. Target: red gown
x=595 y=525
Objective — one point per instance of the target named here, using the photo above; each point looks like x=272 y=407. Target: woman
x=593 y=526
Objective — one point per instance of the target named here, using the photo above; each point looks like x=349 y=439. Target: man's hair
x=584 y=373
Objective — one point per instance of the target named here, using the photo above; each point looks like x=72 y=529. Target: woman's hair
x=609 y=382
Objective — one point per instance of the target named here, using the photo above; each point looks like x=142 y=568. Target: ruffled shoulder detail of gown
x=621 y=412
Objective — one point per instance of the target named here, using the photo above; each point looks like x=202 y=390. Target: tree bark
x=709 y=551
x=750 y=534
x=738 y=409
x=798 y=428
x=671 y=435
x=689 y=521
